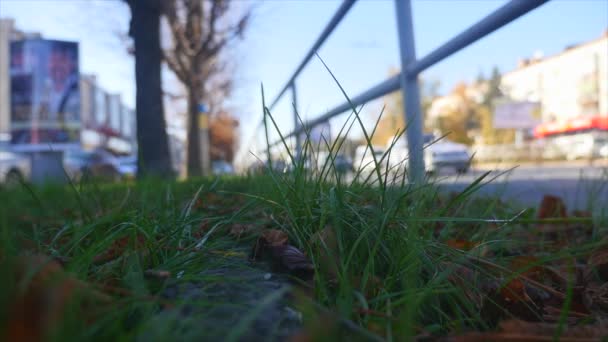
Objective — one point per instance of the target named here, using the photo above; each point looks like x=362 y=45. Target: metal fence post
x=410 y=91
x=296 y=121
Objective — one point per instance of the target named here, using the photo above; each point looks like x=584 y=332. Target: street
x=581 y=187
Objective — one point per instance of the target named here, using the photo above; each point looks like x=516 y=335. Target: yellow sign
x=203 y=121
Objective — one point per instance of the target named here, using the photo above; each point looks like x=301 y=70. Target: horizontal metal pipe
x=388 y=86
x=335 y=20
x=497 y=19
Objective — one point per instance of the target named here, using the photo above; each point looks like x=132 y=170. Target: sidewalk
x=600 y=163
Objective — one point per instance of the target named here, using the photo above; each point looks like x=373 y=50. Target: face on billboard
x=45 y=94
x=61 y=66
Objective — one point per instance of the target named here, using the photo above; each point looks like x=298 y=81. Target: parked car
x=14 y=168
x=259 y=167
x=222 y=167
x=364 y=160
x=99 y=163
x=437 y=154
x=341 y=163
x=447 y=154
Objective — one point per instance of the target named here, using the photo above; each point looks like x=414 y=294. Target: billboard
x=517 y=115
x=45 y=93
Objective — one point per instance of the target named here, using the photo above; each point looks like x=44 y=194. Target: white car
x=364 y=161
x=221 y=167
x=446 y=154
x=14 y=168
x=437 y=154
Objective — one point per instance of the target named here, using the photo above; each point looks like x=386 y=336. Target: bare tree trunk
x=154 y=158
x=194 y=151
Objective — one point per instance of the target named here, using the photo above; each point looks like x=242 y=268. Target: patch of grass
x=393 y=260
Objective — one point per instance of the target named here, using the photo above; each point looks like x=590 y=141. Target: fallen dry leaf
x=118 y=248
x=551 y=207
x=462 y=244
x=289 y=259
x=267 y=239
x=513 y=300
x=596 y=299
x=598 y=264
x=239 y=229
x=275 y=237
x=522 y=264
x=202 y=230
x=46 y=295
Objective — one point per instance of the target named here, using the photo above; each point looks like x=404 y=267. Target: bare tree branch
x=200 y=32
x=174 y=64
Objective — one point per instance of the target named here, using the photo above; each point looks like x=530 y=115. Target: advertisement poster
x=517 y=115
x=45 y=94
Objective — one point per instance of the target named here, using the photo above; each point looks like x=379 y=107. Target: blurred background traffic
x=68 y=110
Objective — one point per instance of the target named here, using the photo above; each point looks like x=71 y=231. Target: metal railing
x=407 y=79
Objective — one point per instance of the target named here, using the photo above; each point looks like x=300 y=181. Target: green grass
x=383 y=249
x=389 y=271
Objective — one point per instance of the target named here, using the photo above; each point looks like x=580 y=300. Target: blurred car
x=341 y=163
x=259 y=167
x=100 y=164
x=603 y=151
x=222 y=167
x=447 y=154
x=438 y=154
x=14 y=168
x=364 y=161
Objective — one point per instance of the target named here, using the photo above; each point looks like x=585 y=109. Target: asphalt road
x=581 y=187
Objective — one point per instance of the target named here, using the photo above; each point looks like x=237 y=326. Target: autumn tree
x=393 y=119
x=200 y=31
x=463 y=118
x=223 y=130
x=153 y=148
x=489 y=133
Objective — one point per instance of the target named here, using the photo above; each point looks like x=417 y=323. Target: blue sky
x=360 y=52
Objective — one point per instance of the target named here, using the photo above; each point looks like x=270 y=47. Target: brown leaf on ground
x=47 y=293
x=462 y=244
x=157 y=274
x=202 y=230
x=543 y=274
x=552 y=207
x=238 y=229
x=371 y=288
x=118 y=248
x=516 y=330
x=466 y=279
x=289 y=259
x=513 y=300
x=323 y=327
x=275 y=237
x=595 y=298
x=598 y=263
x=268 y=238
